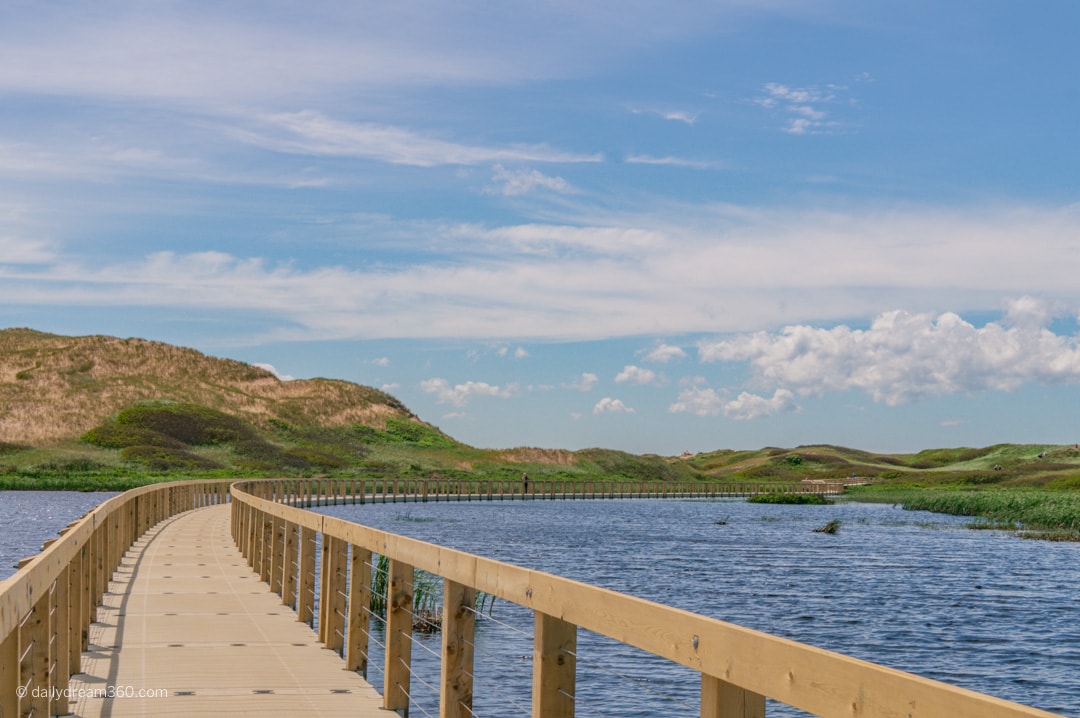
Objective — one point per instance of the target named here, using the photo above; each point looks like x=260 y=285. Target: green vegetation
x=1035 y=513
x=426 y=595
x=784 y=498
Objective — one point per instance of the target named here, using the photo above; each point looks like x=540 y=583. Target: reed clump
x=788 y=498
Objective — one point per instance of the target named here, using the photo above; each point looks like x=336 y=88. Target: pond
x=28 y=518
x=912 y=590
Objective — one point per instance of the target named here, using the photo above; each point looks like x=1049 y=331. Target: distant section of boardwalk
x=188 y=629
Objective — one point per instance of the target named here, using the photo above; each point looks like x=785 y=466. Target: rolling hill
x=54 y=387
x=98 y=411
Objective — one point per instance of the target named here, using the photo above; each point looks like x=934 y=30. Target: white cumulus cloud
x=704 y=401
x=586 y=382
x=613 y=406
x=461 y=394
x=907 y=356
x=636 y=375
x=664 y=353
x=751 y=406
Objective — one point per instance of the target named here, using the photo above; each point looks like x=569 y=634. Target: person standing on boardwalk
x=525 y=482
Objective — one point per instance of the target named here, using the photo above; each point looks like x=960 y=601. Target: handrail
x=313 y=492
x=739 y=667
x=47 y=606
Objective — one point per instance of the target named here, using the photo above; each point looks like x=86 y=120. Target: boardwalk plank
x=186 y=616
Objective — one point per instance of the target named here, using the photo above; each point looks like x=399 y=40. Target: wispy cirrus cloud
x=669 y=161
x=561 y=281
x=804 y=107
x=684 y=116
x=511 y=183
x=310 y=132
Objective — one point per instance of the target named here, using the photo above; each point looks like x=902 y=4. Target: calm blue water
x=911 y=590
x=28 y=518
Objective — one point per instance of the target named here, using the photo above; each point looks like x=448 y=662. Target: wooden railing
x=739 y=667
x=322 y=492
x=47 y=606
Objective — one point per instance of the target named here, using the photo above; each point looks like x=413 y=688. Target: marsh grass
x=784 y=498
x=1034 y=513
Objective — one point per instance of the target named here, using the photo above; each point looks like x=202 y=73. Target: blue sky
x=653 y=226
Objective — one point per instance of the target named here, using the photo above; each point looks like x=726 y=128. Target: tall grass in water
x=427 y=594
x=1040 y=514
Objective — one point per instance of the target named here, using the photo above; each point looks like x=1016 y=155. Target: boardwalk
x=178 y=624
x=186 y=616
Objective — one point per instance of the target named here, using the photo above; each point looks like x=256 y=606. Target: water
x=910 y=590
x=28 y=518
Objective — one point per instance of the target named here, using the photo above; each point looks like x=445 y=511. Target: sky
x=651 y=226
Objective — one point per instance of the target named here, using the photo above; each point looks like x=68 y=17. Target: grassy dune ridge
x=54 y=388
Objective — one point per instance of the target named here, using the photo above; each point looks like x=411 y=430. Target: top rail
x=740 y=667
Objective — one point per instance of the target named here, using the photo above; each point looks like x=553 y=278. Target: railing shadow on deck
x=739 y=667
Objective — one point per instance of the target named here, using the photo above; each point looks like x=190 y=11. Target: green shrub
x=70 y=466
x=412 y=432
x=266 y=456
x=160 y=458
x=10 y=448
x=121 y=436
x=190 y=423
x=306 y=457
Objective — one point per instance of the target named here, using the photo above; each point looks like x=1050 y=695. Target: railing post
x=399 y=618
x=75 y=578
x=277 y=556
x=87 y=609
x=459 y=623
x=289 y=565
x=305 y=600
x=36 y=658
x=554 y=667
x=334 y=569
x=324 y=579
x=356 y=647
x=9 y=674
x=59 y=672
x=266 y=545
x=720 y=699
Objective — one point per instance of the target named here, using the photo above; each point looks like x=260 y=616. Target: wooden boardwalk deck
x=186 y=617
